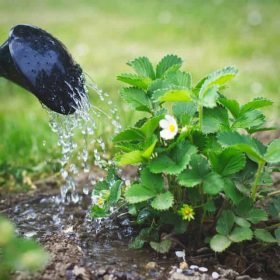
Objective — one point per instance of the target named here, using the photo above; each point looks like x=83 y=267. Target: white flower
x=169 y=127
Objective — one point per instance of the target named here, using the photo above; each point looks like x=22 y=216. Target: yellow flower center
x=186 y=212
x=172 y=128
x=100 y=201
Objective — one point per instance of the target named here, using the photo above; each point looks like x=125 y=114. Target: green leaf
x=183 y=108
x=218 y=78
x=273 y=152
x=149 y=147
x=136 y=243
x=230 y=104
x=127 y=135
x=144 y=215
x=266 y=178
x=173 y=219
x=277 y=235
x=210 y=206
x=180 y=79
x=219 y=243
x=256 y=103
x=210 y=97
x=201 y=140
x=143 y=67
x=249 y=119
x=167 y=63
x=274 y=208
x=213 y=183
x=244 y=207
x=136 y=98
x=151 y=125
x=135 y=80
x=132 y=209
x=244 y=143
x=240 y=234
x=163 y=201
x=98 y=212
x=100 y=186
x=153 y=180
x=174 y=95
x=211 y=144
x=158 y=84
x=265 y=236
x=138 y=193
x=133 y=157
x=189 y=179
x=194 y=175
x=148 y=234
x=175 y=161
x=256 y=215
x=115 y=192
x=231 y=191
x=161 y=247
x=225 y=222
x=229 y=162
x=214 y=120
x=242 y=222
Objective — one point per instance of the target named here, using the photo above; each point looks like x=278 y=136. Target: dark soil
x=84 y=249
x=81 y=248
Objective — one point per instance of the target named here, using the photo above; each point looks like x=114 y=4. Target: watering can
x=38 y=62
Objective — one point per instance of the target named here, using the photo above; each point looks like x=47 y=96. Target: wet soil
x=81 y=248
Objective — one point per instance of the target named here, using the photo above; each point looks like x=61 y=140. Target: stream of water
x=86 y=124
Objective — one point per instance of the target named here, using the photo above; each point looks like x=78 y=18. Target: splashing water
x=84 y=122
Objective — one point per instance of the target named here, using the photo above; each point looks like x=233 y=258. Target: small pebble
x=101 y=271
x=188 y=272
x=203 y=269
x=194 y=267
x=183 y=265
x=151 y=265
x=215 y=275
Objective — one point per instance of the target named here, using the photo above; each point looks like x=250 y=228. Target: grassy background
x=104 y=35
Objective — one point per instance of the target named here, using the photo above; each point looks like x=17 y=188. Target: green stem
x=200 y=116
x=257 y=180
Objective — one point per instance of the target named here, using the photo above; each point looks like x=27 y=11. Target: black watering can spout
x=35 y=60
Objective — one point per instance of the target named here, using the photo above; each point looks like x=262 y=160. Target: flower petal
x=163 y=123
x=169 y=118
x=166 y=134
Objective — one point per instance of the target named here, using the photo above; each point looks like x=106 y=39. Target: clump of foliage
x=18 y=253
x=202 y=173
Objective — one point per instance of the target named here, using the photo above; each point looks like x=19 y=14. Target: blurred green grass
x=104 y=35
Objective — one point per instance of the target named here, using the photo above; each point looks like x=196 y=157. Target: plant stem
x=273 y=226
x=200 y=116
x=274 y=193
x=257 y=180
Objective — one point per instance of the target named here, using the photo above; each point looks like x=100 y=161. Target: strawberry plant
x=202 y=174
